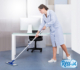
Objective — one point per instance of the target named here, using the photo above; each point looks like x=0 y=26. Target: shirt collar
x=47 y=13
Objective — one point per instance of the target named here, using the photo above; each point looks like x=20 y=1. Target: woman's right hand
x=37 y=34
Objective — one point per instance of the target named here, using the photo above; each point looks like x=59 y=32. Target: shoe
x=69 y=57
x=52 y=60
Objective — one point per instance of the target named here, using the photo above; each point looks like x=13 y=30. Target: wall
x=10 y=13
x=60 y=1
x=69 y=1
x=50 y=2
x=75 y=25
x=32 y=6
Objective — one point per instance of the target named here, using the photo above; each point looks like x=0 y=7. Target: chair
x=39 y=38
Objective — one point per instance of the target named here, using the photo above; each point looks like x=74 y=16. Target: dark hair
x=43 y=6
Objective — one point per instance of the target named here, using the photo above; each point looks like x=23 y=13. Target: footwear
x=52 y=60
x=69 y=57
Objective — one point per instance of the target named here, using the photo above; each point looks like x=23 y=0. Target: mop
x=12 y=62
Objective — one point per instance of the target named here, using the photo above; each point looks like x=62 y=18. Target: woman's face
x=42 y=11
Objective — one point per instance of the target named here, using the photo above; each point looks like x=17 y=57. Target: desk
x=13 y=49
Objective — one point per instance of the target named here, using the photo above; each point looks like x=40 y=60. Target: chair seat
x=39 y=38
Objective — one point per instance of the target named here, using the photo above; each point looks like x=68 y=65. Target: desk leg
x=13 y=47
x=57 y=49
x=64 y=55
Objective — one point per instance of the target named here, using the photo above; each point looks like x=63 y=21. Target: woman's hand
x=44 y=28
x=37 y=34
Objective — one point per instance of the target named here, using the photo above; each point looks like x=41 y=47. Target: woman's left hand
x=44 y=28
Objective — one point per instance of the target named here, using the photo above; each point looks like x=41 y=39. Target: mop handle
x=27 y=46
x=36 y=37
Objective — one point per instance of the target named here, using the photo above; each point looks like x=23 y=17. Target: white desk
x=13 y=51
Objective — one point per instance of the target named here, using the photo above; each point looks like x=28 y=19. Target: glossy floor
x=36 y=60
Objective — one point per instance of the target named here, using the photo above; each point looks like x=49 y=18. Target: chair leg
x=35 y=48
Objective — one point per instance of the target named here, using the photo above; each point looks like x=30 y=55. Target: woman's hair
x=43 y=6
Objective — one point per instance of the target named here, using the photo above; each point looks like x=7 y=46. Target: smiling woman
x=43 y=6
x=56 y=34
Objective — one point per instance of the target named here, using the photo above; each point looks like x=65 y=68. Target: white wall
x=75 y=25
x=32 y=6
x=60 y=1
x=10 y=13
x=12 y=8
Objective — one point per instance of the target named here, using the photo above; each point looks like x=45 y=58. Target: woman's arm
x=53 y=19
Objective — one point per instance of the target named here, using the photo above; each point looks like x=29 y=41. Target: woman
x=56 y=34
